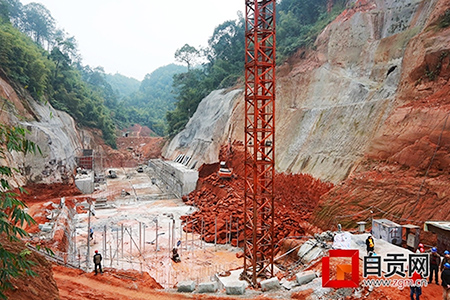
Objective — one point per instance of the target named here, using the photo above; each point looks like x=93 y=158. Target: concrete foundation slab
x=235 y=288
x=186 y=286
x=270 y=284
x=207 y=287
x=305 y=277
x=85 y=183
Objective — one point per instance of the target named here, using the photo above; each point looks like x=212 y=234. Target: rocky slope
x=366 y=110
x=209 y=128
x=403 y=175
x=53 y=131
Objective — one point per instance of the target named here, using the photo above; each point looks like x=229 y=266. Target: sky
x=135 y=37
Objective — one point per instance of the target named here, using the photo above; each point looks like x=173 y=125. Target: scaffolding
x=259 y=139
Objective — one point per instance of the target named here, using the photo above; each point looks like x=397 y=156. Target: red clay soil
x=404 y=176
x=42 y=286
x=140 y=145
x=116 y=285
x=44 y=192
x=296 y=197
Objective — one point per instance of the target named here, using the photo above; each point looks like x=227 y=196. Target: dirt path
x=77 y=285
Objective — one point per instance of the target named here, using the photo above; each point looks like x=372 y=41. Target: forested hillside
x=149 y=104
x=122 y=85
x=298 y=24
x=45 y=61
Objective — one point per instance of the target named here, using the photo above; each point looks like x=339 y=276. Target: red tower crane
x=259 y=139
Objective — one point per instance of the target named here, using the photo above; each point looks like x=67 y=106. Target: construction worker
x=175 y=255
x=435 y=261
x=445 y=281
x=420 y=249
x=445 y=259
x=416 y=288
x=98 y=262
x=370 y=245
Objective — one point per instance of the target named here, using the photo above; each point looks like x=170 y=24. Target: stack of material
x=221 y=202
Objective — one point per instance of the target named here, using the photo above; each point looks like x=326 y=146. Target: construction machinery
x=224 y=172
x=112 y=174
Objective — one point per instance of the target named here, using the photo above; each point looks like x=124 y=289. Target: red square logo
x=340 y=281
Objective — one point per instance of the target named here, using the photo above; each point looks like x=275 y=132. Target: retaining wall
x=177 y=177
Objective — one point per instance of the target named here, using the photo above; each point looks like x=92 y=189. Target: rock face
x=403 y=175
x=367 y=108
x=207 y=130
x=332 y=101
x=53 y=132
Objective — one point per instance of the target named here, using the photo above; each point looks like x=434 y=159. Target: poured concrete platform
x=208 y=287
x=85 y=183
x=235 y=288
x=232 y=284
x=270 y=284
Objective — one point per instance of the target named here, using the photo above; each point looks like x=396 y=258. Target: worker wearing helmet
x=445 y=259
x=370 y=245
x=435 y=261
x=420 y=249
x=445 y=281
x=98 y=262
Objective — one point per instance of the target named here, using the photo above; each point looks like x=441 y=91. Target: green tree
x=12 y=214
x=226 y=54
x=4 y=12
x=190 y=90
x=38 y=23
x=22 y=61
x=122 y=85
x=187 y=54
x=149 y=104
x=11 y=10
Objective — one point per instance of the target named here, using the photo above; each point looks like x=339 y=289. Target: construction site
x=138 y=217
x=249 y=200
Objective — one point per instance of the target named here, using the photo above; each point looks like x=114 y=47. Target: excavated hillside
x=362 y=132
x=365 y=110
x=403 y=174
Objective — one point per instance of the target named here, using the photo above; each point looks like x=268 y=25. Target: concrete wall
x=178 y=178
x=85 y=183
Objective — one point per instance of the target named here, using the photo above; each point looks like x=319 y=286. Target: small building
x=387 y=230
x=412 y=233
x=86 y=161
x=442 y=229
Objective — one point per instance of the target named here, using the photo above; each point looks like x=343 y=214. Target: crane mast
x=259 y=139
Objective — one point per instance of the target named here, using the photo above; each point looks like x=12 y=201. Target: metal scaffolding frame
x=259 y=139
